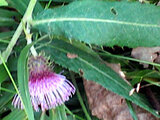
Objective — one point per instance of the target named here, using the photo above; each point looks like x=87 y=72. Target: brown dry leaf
x=157 y=60
x=107 y=105
x=146 y=54
x=117 y=69
x=72 y=56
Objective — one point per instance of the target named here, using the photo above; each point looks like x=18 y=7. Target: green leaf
x=91 y=67
x=3 y=3
x=6 y=97
x=6 y=35
x=143 y=73
x=21 y=6
x=23 y=82
x=6 y=21
x=9 y=13
x=152 y=81
x=58 y=114
x=137 y=76
x=3 y=74
x=122 y=23
x=7 y=17
x=131 y=109
x=5 y=38
x=80 y=97
x=16 y=115
x=67 y=1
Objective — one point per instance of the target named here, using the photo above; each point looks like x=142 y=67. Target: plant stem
x=42 y=116
x=7 y=90
x=14 y=84
x=127 y=58
x=75 y=116
x=79 y=97
x=47 y=6
x=131 y=110
x=150 y=80
x=29 y=39
x=26 y=18
x=4 y=41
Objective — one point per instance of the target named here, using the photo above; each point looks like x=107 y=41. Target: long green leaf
x=59 y=0
x=3 y=74
x=58 y=114
x=6 y=35
x=7 y=17
x=6 y=97
x=23 y=82
x=103 y=23
x=131 y=109
x=92 y=68
x=9 y=13
x=21 y=6
x=16 y=115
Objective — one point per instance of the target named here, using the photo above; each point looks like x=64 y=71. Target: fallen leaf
x=146 y=54
x=157 y=60
x=117 y=69
x=107 y=105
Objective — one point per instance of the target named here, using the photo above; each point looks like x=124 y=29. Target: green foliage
x=3 y=74
x=91 y=67
x=6 y=18
x=103 y=23
x=131 y=109
x=6 y=35
x=59 y=0
x=58 y=114
x=144 y=75
x=23 y=82
x=15 y=115
x=3 y=3
x=6 y=97
x=21 y=6
x=78 y=36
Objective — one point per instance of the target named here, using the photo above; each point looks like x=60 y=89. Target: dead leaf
x=72 y=56
x=117 y=69
x=107 y=105
x=157 y=60
x=146 y=54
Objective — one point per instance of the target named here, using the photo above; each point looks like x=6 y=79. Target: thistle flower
x=47 y=89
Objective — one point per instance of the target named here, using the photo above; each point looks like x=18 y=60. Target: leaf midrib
x=38 y=22
x=81 y=59
x=145 y=106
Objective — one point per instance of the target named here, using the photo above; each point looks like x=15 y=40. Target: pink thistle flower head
x=47 y=89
